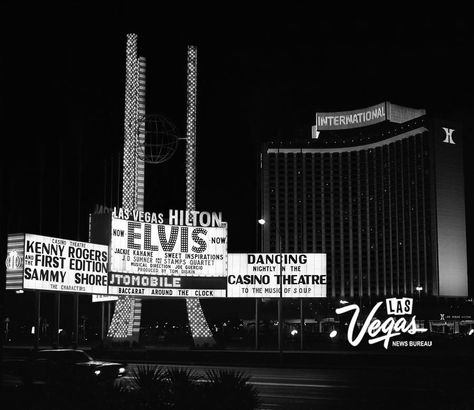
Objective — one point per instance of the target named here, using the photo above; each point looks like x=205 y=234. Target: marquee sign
x=159 y=249
x=141 y=256
x=343 y=120
x=125 y=284
x=265 y=275
x=64 y=265
x=184 y=259
x=351 y=119
x=14 y=261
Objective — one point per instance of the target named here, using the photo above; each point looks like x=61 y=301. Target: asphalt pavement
x=334 y=388
x=327 y=381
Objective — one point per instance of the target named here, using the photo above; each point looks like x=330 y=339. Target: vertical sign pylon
x=200 y=331
x=125 y=323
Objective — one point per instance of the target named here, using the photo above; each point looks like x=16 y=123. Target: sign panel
x=126 y=284
x=14 y=261
x=267 y=275
x=187 y=258
x=64 y=265
x=171 y=250
x=351 y=119
x=103 y=298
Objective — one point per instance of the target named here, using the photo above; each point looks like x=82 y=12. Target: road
x=362 y=386
x=395 y=387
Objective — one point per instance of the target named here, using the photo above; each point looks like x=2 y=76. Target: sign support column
x=301 y=324
x=38 y=318
x=75 y=330
x=102 y=321
x=57 y=317
x=256 y=323
x=200 y=330
x=125 y=324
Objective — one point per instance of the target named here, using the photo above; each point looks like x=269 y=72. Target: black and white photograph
x=239 y=206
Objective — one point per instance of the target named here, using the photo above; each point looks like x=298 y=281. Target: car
x=69 y=366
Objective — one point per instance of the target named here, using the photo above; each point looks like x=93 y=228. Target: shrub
x=229 y=390
x=152 y=388
x=184 y=391
x=149 y=387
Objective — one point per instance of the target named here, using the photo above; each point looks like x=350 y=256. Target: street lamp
x=419 y=289
x=257 y=320
x=262 y=222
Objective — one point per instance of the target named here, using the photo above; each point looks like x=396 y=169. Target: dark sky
x=262 y=75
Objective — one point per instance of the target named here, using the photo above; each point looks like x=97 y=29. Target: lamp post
x=257 y=319
x=280 y=347
x=38 y=319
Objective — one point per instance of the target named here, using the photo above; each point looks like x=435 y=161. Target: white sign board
x=265 y=275
x=126 y=284
x=103 y=298
x=162 y=260
x=171 y=250
x=64 y=265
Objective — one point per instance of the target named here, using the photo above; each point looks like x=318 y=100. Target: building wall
x=451 y=221
x=371 y=207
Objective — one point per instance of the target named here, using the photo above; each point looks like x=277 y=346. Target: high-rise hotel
x=380 y=190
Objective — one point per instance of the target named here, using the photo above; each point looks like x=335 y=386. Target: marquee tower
x=200 y=331
x=125 y=325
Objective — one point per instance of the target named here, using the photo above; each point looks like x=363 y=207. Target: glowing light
x=471 y=332
x=261 y=221
x=191 y=128
x=126 y=319
x=333 y=334
x=294 y=332
x=140 y=141
x=197 y=321
x=127 y=314
x=131 y=124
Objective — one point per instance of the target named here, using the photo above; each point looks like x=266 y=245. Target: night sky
x=261 y=76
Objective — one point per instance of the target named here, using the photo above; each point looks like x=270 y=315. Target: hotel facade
x=379 y=190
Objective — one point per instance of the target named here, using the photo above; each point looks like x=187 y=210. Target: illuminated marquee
x=342 y=120
x=65 y=266
x=351 y=119
x=296 y=275
x=156 y=259
x=14 y=261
